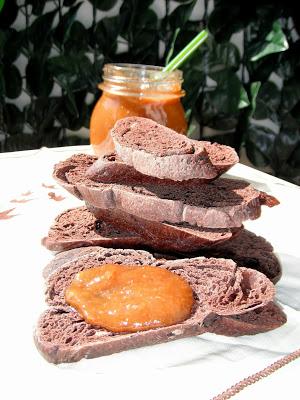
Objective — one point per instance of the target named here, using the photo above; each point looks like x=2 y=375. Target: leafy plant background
x=232 y=96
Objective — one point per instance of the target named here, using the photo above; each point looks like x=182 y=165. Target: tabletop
x=201 y=367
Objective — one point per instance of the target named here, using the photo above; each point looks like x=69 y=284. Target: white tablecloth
x=201 y=367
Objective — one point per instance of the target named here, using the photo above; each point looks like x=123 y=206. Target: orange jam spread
x=125 y=298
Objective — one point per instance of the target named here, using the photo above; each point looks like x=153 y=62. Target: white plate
x=200 y=367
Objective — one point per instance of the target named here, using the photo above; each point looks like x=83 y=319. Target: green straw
x=186 y=52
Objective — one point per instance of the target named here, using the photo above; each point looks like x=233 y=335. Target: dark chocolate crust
x=63 y=336
x=220 y=289
x=155 y=150
x=223 y=203
x=79 y=228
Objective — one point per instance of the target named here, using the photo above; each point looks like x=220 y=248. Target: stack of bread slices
x=160 y=192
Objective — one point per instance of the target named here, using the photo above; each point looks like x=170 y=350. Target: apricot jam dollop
x=125 y=298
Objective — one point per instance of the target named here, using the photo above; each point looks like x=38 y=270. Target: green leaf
x=63 y=29
x=259 y=145
x=62 y=67
x=104 y=5
x=194 y=80
x=71 y=103
x=228 y=17
x=223 y=56
x=181 y=14
x=131 y=13
x=8 y=13
x=2 y=84
x=142 y=35
x=285 y=160
x=68 y=3
x=40 y=114
x=265 y=111
x=74 y=140
x=244 y=100
x=275 y=42
x=13 y=119
x=254 y=89
x=1 y=4
x=78 y=39
x=96 y=73
x=219 y=122
x=288 y=139
x=21 y=142
x=289 y=173
x=263 y=68
x=3 y=38
x=295 y=112
x=290 y=61
x=226 y=97
x=295 y=160
x=147 y=25
x=290 y=94
x=172 y=44
x=41 y=30
x=37 y=6
x=38 y=78
x=223 y=138
x=73 y=72
x=12 y=46
x=66 y=115
x=139 y=27
x=106 y=34
x=294 y=164
x=269 y=94
x=13 y=81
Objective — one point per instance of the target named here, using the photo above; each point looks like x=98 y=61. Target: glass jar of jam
x=136 y=90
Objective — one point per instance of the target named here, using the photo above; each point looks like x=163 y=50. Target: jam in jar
x=136 y=90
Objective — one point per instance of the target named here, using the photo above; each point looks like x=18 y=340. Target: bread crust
x=224 y=203
x=77 y=227
x=220 y=288
x=244 y=247
x=155 y=150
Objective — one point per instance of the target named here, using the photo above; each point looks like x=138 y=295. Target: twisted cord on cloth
x=250 y=380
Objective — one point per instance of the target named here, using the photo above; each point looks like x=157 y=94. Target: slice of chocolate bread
x=155 y=150
x=63 y=336
x=224 y=203
x=220 y=288
x=246 y=249
x=79 y=227
x=112 y=169
x=79 y=162
x=129 y=255
x=263 y=319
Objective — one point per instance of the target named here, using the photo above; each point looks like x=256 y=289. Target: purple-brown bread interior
x=220 y=289
x=78 y=227
x=224 y=203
